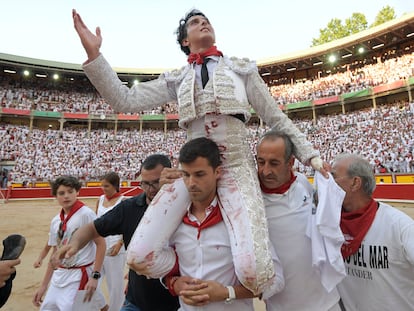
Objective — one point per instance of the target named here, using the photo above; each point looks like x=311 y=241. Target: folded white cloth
x=325 y=232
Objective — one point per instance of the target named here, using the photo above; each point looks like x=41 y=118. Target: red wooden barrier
x=382 y=191
x=395 y=192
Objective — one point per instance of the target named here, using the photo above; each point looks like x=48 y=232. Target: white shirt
x=110 y=240
x=287 y=215
x=211 y=65
x=62 y=277
x=208 y=258
x=325 y=232
x=381 y=273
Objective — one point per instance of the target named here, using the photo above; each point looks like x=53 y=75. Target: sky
x=140 y=33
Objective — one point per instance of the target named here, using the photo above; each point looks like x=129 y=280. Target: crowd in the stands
x=38 y=95
x=384 y=135
x=351 y=80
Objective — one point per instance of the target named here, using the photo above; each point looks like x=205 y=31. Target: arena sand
x=32 y=219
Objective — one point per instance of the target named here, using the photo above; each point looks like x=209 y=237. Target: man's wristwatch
x=232 y=295
x=96 y=275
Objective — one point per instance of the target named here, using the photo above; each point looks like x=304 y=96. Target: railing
x=388 y=192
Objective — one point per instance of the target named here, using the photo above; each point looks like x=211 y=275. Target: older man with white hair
x=379 y=246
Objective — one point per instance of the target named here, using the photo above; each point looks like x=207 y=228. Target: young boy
x=82 y=272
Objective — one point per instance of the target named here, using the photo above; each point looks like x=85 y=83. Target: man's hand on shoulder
x=321 y=166
x=168 y=175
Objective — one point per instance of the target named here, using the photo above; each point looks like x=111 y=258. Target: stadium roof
x=14 y=62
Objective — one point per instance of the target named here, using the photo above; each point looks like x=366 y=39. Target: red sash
x=85 y=276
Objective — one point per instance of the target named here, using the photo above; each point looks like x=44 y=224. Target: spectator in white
x=114 y=261
x=39 y=155
x=378 y=249
x=288 y=199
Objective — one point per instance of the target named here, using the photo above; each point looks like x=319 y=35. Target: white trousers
x=62 y=298
x=242 y=208
x=113 y=271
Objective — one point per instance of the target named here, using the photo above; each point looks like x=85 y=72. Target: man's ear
x=356 y=183
x=218 y=171
x=291 y=161
x=185 y=42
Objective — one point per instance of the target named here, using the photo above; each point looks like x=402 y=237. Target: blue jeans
x=128 y=306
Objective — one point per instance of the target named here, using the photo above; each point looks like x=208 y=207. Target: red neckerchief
x=282 y=188
x=75 y=207
x=213 y=218
x=199 y=57
x=109 y=198
x=356 y=225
